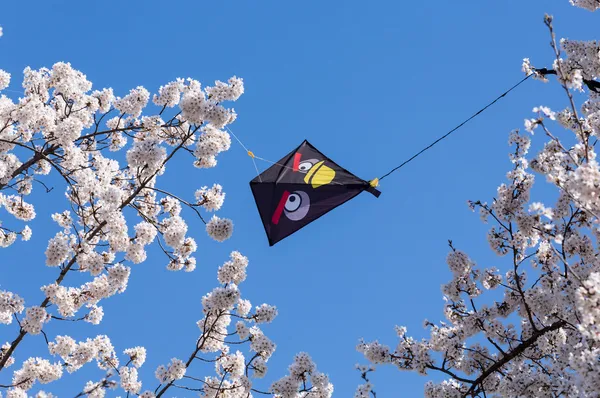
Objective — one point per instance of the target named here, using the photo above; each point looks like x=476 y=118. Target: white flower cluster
x=234 y=270
x=197 y=108
x=3 y=351
x=220 y=299
x=529 y=69
x=10 y=304
x=134 y=102
x=260 y=343
x=218 y=307
x=75 y=355
x=146 y=158
x=98 y=389
x=220 y=229
x=173 y=230
x=34 y=320
x=35 y=369
x=300 y=370
x=95 y=315
x=137 y=355
x=58 y=249
x=4 y=79
x=363 y=391
x=591 y=5
x=70 y=300
x=463 y=276
x=129 y=380
x=588 y=302
x=375 y=352
x=67 y=82
x=174 y=371
x=232 y=365
x=211 y=142
x=226 y=92
x=145 y=233
x=7 y=239
x=265 y=313
x=211 y=198
x=216 y=387
x=169 y=94
x=16 y=206
x=582 y=61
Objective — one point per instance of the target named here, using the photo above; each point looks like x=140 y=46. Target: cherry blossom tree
x=109 y=155
x=538 y=333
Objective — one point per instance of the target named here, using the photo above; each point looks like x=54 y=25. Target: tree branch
x=511 y=355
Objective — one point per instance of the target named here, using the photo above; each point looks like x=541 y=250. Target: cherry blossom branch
x=584 y=138
x=14 y=385
x=192 y=206
x=592 y=85
x=102 y=384
x=39 y=155
x=90 y=236
x=206 y=385
x=517 y=351
x=366 y=379
x=199 y=345
x=33 y=160
x=518 y=283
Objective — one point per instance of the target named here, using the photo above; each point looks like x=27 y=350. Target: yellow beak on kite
x=319 y=175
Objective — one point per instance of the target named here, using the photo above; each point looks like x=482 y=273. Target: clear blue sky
x=388 y=76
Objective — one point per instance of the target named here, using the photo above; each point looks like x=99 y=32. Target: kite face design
x=294 y=206
x=317 y=173
x=300 y=188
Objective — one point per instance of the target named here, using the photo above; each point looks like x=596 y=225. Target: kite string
x=249 y=152
x=253 y=156
x=454 y=129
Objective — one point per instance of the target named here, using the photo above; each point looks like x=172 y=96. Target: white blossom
x=129 y=380
x=3 y=351
x=26 y=233
x=10 y=303
x=134 y=102
x=36 y=369
x=170 y=94
x=95 y=315
x=265 y=313
x=220 y=229
x=261 y=344
x=58 y=249
x=34 y=320
x=4 y=76
x=137 y=355
x=211 y=198
x=174 y=371
x=234 y=270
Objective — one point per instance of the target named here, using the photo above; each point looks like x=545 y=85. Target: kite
x=300 y=188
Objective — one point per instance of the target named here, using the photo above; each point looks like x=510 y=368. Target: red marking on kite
x=280 y=207
x=297 y=161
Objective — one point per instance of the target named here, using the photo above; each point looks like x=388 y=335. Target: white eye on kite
x=305 y=166
x=297 y=205
x=293 y=202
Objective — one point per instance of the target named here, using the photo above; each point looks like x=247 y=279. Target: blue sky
x=368 y=83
